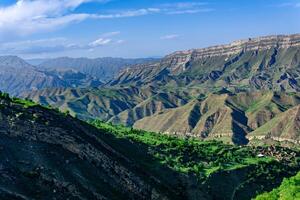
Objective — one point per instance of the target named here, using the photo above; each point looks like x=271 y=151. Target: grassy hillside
x=288 y=190
x=211 y=164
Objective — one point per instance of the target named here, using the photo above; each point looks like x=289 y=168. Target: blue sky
x=136 y=28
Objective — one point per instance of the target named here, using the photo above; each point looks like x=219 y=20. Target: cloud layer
x=30 y=16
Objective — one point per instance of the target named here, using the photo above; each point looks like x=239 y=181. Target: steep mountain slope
x=75 y=79
x=260 y=63
x=101 y=68
x=285 y=126
x=17 y=76
x=226 y=116
x=231 y=116
x=124 y=105
x=43 y=158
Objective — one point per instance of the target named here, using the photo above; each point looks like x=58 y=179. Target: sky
x=136 y=28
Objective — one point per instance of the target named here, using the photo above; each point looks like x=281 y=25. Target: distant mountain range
x=103 y=69
x=18 y=76
x=227 y=91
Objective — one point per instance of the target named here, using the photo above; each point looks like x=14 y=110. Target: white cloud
x=54 y=45
x=288 y=4
x=186 y=8
x=189 y=11
x=105 y=39
x=100 y=42
x=169 y=37
x=37 y=46
x=120 y=41
x=185 y=5
x=29 y=16
x=129 y=13
x=110 y=34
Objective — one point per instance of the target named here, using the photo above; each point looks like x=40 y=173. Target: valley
x=216 y=123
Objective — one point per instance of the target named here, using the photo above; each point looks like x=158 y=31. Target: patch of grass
x=288 y=190
x=25 y=103
x=188 y=155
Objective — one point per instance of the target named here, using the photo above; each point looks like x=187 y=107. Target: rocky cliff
x=259 y=63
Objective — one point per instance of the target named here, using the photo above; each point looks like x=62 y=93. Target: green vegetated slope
x=219 y=170
x=53 y=155
x=288 y=190
x=120 y=105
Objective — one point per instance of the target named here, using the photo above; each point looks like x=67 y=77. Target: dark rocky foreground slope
x=45 y=154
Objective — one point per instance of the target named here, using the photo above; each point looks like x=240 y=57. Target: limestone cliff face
x=260 y=63
x=179 y=59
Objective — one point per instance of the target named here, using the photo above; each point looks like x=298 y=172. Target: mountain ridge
x=265 y=70
x=17 y=76
x=250 y=44
x=272 y=67
x=104 y=68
